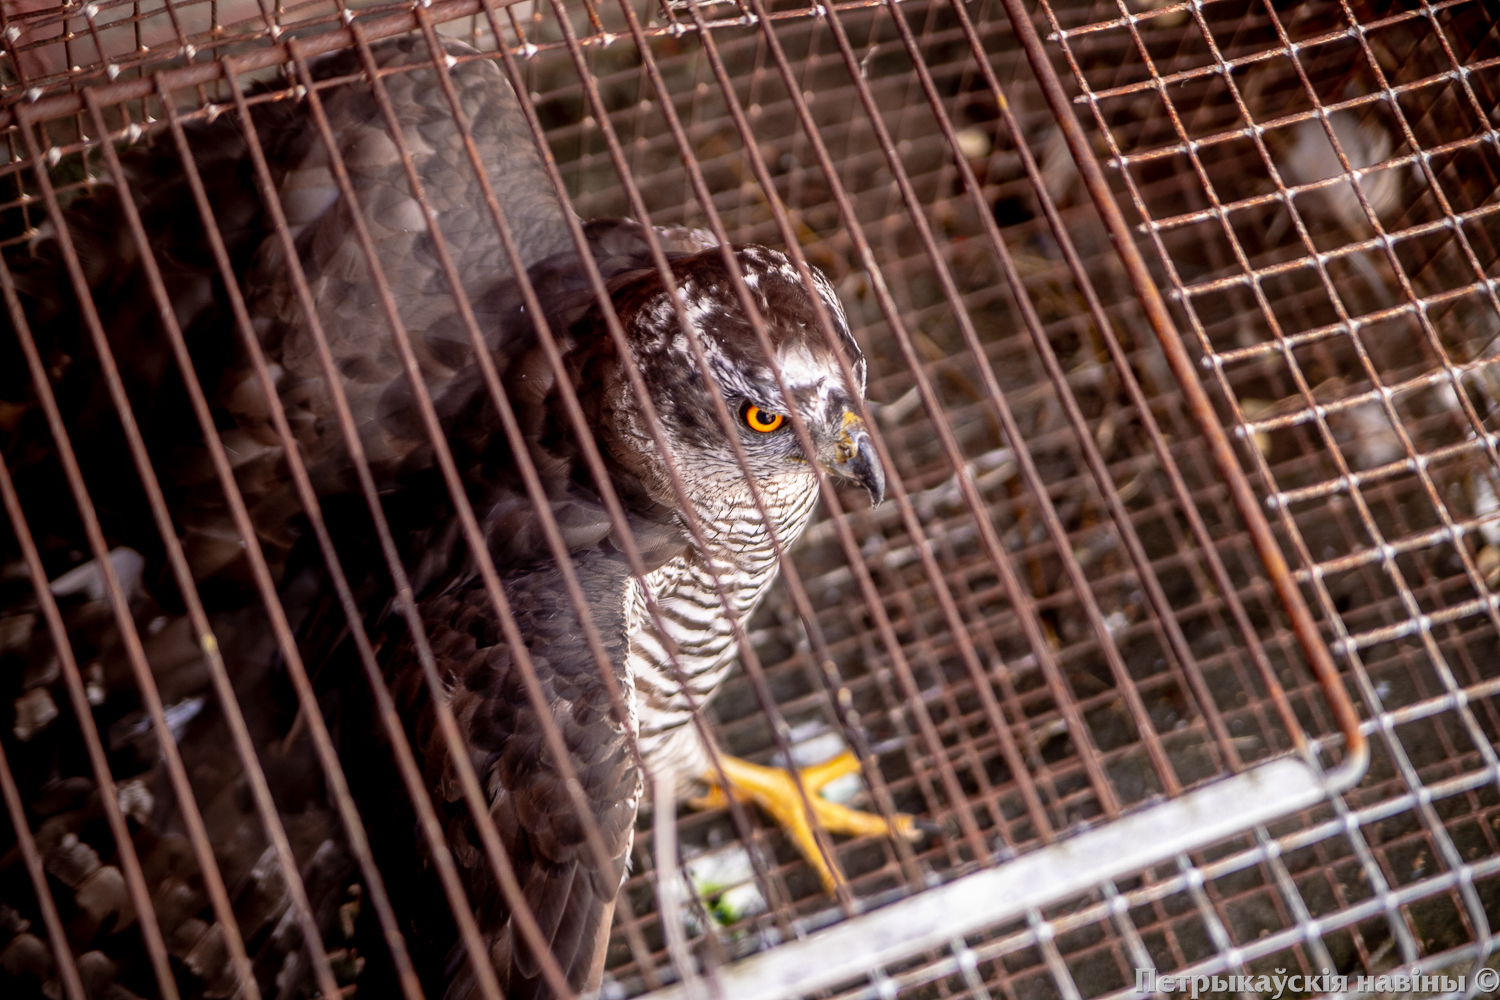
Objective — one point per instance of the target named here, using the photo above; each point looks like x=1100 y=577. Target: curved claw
x=773 y=789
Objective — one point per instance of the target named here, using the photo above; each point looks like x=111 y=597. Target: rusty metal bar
x=687 y=514
x=1197 y=399
x=406 y=763
x=936 y=613
x=184 y=580
x=322 y=740
x=749 y=658
x=790 y=573
x=473 y=794
x=949 y=778
x=1142 y=406
x=1008 y=422
x=1020 y=599
x=67 y=965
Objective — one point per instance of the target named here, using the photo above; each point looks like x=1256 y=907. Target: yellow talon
x=773 y=789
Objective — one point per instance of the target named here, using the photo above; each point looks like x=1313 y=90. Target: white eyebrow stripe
x=802 y=368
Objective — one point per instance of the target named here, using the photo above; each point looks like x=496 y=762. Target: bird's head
x=826 y=402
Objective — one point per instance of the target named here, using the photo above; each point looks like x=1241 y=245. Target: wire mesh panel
x=1314 y=185
x=301 y=417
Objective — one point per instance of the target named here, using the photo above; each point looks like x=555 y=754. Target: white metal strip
x=931 y=919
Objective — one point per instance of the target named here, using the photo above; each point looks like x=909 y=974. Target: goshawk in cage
x=444 y=448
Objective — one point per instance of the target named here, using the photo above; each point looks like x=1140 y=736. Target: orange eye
x=761 y=420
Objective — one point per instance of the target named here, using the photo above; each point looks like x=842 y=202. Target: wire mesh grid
x=1347 y=328
x=1058 y=619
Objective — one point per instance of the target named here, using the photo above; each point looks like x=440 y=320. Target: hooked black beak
x=854 y=459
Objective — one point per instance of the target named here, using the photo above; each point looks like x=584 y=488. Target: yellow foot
x=774 y=791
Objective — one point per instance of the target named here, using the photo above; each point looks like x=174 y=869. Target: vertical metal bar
x=67 y=965
x=643 y=397
x=790 y=574
x=1292 y=898
x=749 y=659
x=474 y=796
x=184 y=579
x=131 y=869
x=1020 y=599
x=281 y=627
x=1144 y=573
x=670 y=885
x=1176 y=643
x=512 y=429
x=1155 y=307
x=1047 y=942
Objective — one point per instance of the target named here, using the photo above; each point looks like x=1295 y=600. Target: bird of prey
x=664 y=630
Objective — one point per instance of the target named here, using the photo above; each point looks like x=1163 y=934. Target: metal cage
x=1179 y=624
